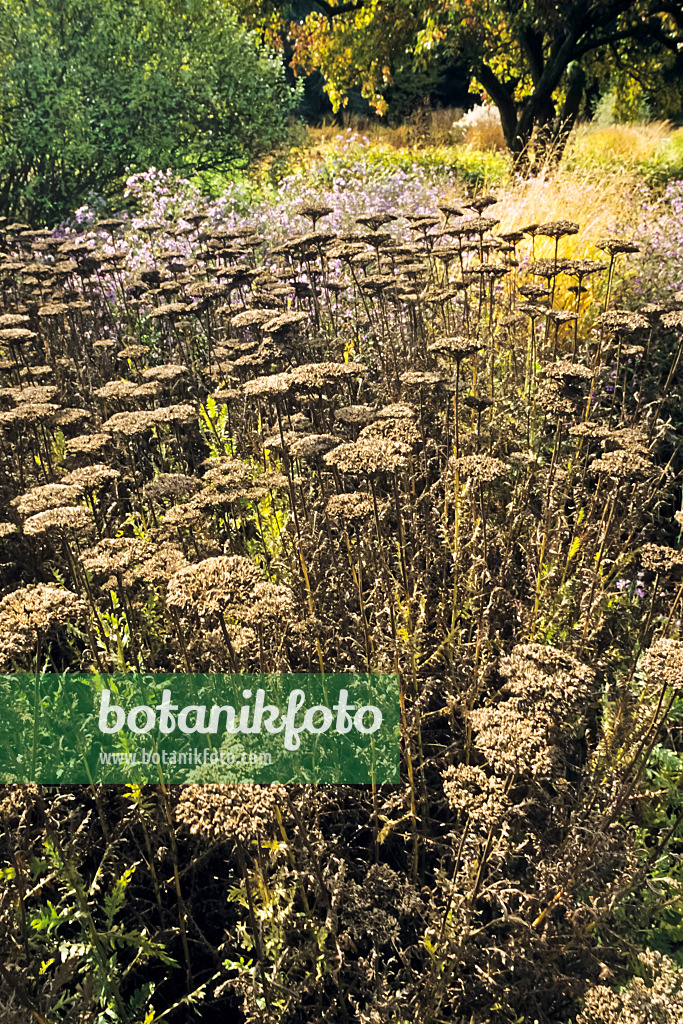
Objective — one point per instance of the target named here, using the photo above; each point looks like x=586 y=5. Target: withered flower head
x=160 y=561
x=253 y=317
x=396 y=411
x=229 y=584
x=29 y=412
x=32 y=609
x=285 y=322
x=532 y=309
x=374 y=221
x=226 y=471
x=272 y=481
x=621 y=321
x=182 y=413
x=593 y=431
x=400 y=429
x=452 y=209
x=58 y=520
x=421 y=378
x=133 y=352
x=18 y=335
x=478 y=402
x=355 y=414
x=72 y=417
x=170 y=309
x=661 y=559
x=130 y=424
x=171 y=485
x=371 y=455
x=582 y=268
x=628 y=439
x=350 y=508
x=547 y=267
x=117 y=389
x=457 y=347
x=300 y=422
x=317 y=375
x=663 y=660
x=614 y=246
x=472 y=226
x=558 y=398
x=561 y=316
x=280 y=443
x=531 y=730
x=167 y=372
x=14 y=320
x=314 y=210
x=673 y=319
x=564 y=370
x=268 y=387
x=312 y=445
x=47 y=496
x=481 y=203
x=512 y=320
x=622 y=465
x=24 y=395
x=179 y=516
x=557 y=228
x=229 y=814
x=91 y=478
x=482 y=797
x=114 y=555
x=149 y=390
x=534 y=291
x=482 y=468
x=52 y=309
x=88 y=444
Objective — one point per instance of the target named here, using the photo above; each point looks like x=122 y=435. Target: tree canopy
x=89 y=88
x=533 y=58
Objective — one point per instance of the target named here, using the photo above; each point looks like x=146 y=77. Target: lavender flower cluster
x=160 y=198
x=659 y=232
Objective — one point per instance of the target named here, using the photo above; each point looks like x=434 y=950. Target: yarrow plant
x=361 y=422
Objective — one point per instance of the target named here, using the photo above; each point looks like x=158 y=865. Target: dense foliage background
x=89 y=88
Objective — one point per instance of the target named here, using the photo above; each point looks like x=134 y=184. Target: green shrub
x=89 y=88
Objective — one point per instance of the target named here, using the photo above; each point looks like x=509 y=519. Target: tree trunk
x=551 y=138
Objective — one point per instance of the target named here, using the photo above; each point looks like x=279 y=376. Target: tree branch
x=332 y=10
x=532 y=44
x=595 y=44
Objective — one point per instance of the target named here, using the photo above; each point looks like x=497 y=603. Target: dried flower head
x=663 y=660
x=47 y=496
x=312 y=445
x=557 y=228
x=621 y=321
x=30 y=611
x=622 y=465
x=351 y=508
x=482 y=468
x=661 y=559
x=226 y=814
x=371 y=455
x=69 y=518
x=88 y=444
x=614 y=246
x=91 y=478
